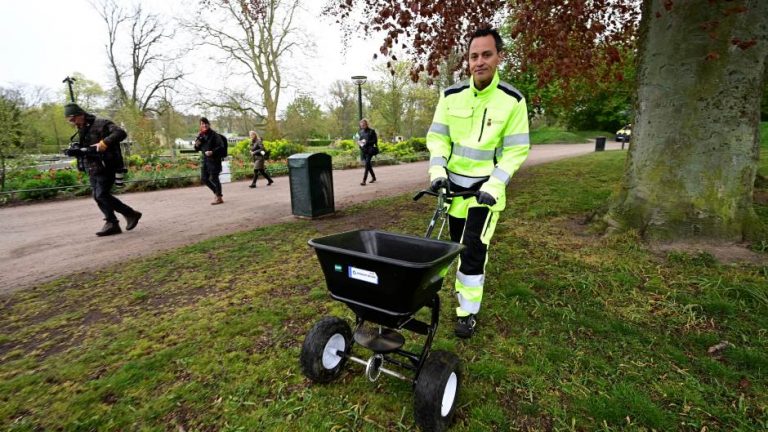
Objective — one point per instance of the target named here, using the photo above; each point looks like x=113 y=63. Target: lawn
x=577 y=331
x=553 y=135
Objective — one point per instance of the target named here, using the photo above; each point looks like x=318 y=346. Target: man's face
x=483 y=60
x=77 y=120
x=204 y=127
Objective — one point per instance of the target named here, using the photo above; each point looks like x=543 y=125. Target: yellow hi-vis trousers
x=472 y=225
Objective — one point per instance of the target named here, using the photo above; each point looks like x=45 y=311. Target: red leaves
x=559 y=39
x=735 y=10
x=744 y=44
x=712 y=56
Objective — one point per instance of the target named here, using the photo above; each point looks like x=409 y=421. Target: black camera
x=78 y=151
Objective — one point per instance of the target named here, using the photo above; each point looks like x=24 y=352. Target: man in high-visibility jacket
x=478 y=139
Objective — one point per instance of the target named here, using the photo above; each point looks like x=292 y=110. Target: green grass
x=577 y=332
x=763 y=168
x=552 y=135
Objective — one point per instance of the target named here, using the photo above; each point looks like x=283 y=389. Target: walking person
x=99 y=148
x=369 y=147
x=212 y=149
x=477 y=150
x=259 y=154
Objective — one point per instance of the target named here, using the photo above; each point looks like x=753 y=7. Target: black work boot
x=465 y=326
x=110 y=228
x=132 y=220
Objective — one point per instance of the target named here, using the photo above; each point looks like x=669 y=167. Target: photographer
x=99 y=150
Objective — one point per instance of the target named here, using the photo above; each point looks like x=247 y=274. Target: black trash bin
x=599 y=144
x=311 y=179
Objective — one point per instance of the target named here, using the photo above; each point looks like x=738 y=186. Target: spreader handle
x=446 y=195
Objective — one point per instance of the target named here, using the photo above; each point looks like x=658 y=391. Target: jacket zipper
x=482 y=125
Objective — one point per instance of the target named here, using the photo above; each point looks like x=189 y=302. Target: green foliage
x=37 y=189
x=65 y=177
x=303 y=119
x=141 y=132
x=602 y=110
x=552 y=135
x=135 y=160
x=402 y=149
x=281 y=149
x=762 y=168
x=318 y=142
x=346 y=145
x=418 y=144
x=242 y=149
x=47 y=129
x=13 y=128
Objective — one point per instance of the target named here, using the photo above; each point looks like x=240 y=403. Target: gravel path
x=43 y=241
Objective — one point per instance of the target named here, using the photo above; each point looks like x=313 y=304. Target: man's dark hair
x=487 y=32
x=205 y=120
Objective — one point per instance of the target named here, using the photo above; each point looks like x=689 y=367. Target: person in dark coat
x=258 y=153
x=99 y=147
x=368 y=142
x=212 y=149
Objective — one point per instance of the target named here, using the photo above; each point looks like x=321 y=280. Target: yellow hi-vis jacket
x=479 y=137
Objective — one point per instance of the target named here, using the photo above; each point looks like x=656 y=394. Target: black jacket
x=371 y=140
x=95 y=130
x=211 y=140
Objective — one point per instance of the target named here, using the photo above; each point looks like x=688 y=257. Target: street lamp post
x=359 y=80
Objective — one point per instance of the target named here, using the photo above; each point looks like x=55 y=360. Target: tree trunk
x=692 y=163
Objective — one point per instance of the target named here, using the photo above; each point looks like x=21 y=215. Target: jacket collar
x=489 y=88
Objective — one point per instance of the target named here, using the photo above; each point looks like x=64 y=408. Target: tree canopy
x=560 y=40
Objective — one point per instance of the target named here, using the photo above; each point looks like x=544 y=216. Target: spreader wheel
x=436 y=392
x=319 y=359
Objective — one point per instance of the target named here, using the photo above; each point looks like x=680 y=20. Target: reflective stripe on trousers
x=474 y=231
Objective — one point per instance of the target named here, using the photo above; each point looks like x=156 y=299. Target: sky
x=43 y=41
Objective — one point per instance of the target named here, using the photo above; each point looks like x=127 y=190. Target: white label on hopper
x=363 y=275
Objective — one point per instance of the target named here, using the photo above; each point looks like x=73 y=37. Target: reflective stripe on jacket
x=479 y=137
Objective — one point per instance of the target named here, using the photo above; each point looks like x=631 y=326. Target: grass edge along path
x=577 y=332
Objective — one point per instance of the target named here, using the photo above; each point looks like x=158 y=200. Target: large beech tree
x=701 y=68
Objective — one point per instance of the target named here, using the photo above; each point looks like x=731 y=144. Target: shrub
x=65 y=177
x=35 y=189
x=402 y=149
x=318 y=142
x=242 y=149
x=281 y=149
x=418 y=144
x=135 y=160
x=345 y=145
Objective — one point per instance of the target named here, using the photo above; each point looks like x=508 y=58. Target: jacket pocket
x=460 y=123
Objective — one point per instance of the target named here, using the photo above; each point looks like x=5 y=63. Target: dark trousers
x=209 y=174
x=263 y=172
x=101 y=185
x=469 y=231
x=368 y=168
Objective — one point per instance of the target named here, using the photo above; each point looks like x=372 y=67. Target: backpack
x=266 y=154
x=224 y=152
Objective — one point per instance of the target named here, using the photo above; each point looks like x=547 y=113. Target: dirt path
x=39 y=242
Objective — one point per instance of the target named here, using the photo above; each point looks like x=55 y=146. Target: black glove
x=485 y=198
x=438 y=183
